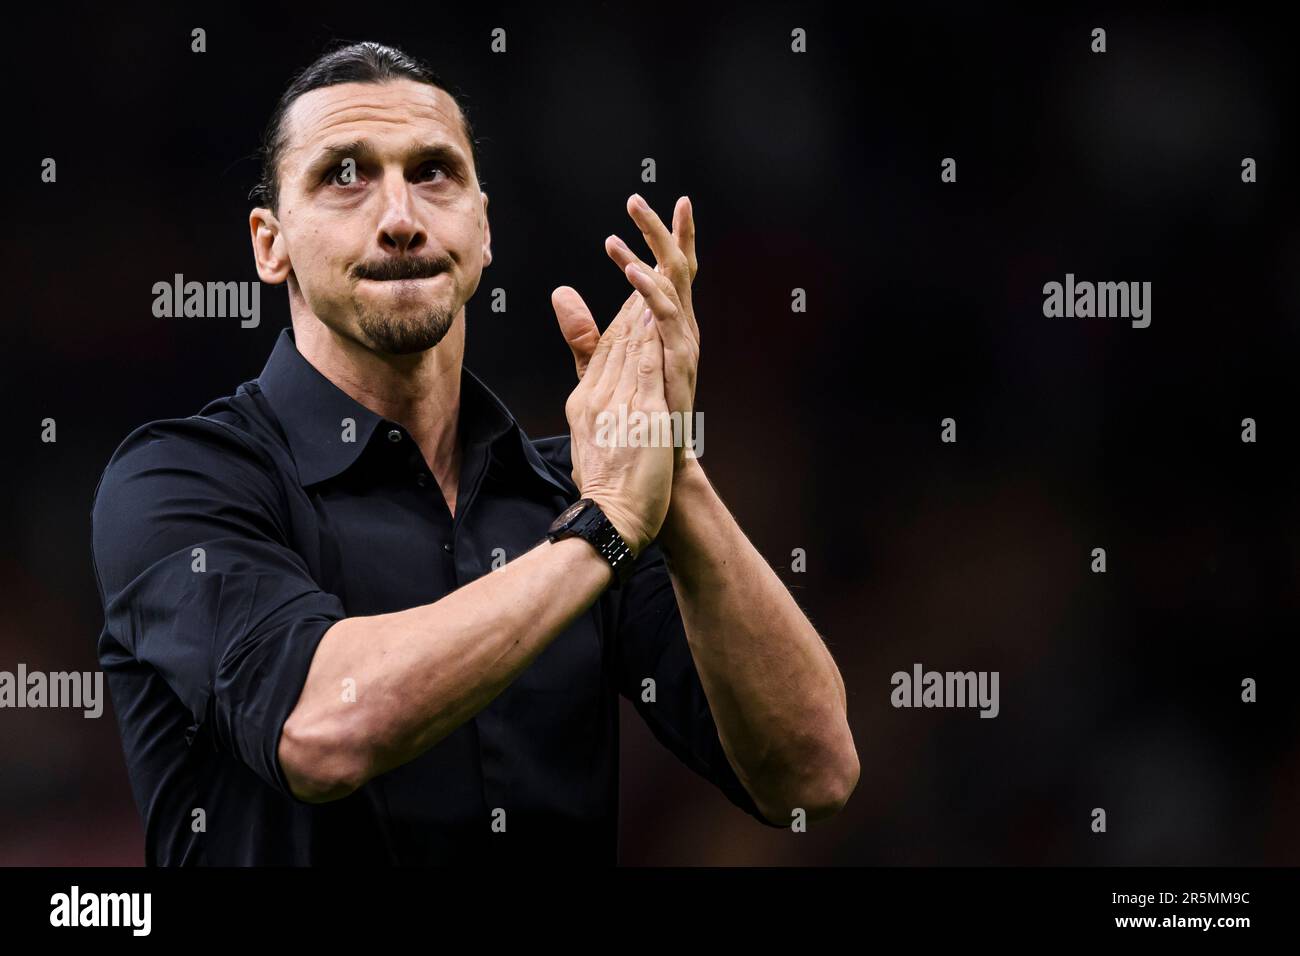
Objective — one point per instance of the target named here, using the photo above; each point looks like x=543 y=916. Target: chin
x=406 y=335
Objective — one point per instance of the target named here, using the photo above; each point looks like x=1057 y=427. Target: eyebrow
x=329 y=156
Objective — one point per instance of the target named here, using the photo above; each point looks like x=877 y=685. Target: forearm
x=420 y=673
x=774 y=690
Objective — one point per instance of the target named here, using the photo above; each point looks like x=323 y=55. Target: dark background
x=818 y=171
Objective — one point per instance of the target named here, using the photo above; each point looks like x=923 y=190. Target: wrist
x=622 y=524
x=586 y=560
x=690 y=488
x=688 y=473
x=591 y=520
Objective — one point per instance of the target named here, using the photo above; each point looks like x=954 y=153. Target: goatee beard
x=406 y=336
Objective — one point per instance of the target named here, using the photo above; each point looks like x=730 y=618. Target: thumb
x=576 y=325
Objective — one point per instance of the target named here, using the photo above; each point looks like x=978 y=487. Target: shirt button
x=448 y=547
x=394 y=435
x=421 y=479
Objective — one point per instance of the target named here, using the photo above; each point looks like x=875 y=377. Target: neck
x=420 y=392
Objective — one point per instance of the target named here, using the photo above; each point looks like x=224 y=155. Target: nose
x=399 y=229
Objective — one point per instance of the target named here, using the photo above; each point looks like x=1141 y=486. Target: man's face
x=386 y=249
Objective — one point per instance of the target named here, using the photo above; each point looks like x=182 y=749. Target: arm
x=201 y=583
x=774 y=690
x=422 y=672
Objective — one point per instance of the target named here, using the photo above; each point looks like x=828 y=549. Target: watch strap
x=593 y=526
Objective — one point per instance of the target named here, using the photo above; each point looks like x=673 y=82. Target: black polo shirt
x=226 y=544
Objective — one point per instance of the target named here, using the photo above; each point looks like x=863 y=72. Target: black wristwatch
x=584 y=519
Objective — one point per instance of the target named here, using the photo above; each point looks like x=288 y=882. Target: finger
x=638 y=334
x=620 y=332
x=668 y=255
x=684 y=232
x=576 y=325
x=668 y=317
x=684 y=237
x=631 y=308
x=621 y=254
x=618 y=250
x=650 y=372
x=634 y=305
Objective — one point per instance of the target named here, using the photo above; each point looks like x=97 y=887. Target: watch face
x=569 y=513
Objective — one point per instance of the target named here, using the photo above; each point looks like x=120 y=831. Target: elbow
x=821 y=792
x=834 y=789
x=319 y=764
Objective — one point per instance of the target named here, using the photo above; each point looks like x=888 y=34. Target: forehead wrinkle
x=332 y=116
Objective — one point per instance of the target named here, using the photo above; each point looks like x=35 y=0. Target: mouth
x=409 y=279
x=403 y=285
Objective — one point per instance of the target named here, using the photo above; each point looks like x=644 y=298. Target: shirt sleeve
x=652 y=644
x=198 y=581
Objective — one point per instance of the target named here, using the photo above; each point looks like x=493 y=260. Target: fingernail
x=646 y=316
x=639 y=202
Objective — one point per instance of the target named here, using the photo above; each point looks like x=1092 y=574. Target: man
x=350 y=615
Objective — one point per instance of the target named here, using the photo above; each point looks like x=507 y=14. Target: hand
x=631 y=482
x=668 y=293
x=580 y=330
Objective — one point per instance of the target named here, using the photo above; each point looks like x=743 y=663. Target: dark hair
x=355 y=63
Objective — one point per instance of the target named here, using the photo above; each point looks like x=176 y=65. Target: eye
x=431 y=169
x=331 y=175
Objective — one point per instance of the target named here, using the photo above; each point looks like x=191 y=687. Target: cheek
x=468 y=234
x=320 y=267
x=463 y=240
x=319 y=254
x=474 y=243
x=474 y=253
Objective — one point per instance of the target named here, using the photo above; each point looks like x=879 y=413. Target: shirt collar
x=311 y=410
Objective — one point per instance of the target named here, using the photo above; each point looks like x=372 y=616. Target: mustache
x=406 y=268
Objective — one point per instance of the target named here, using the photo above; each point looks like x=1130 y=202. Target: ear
x=487 y=235
x=273 y=265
